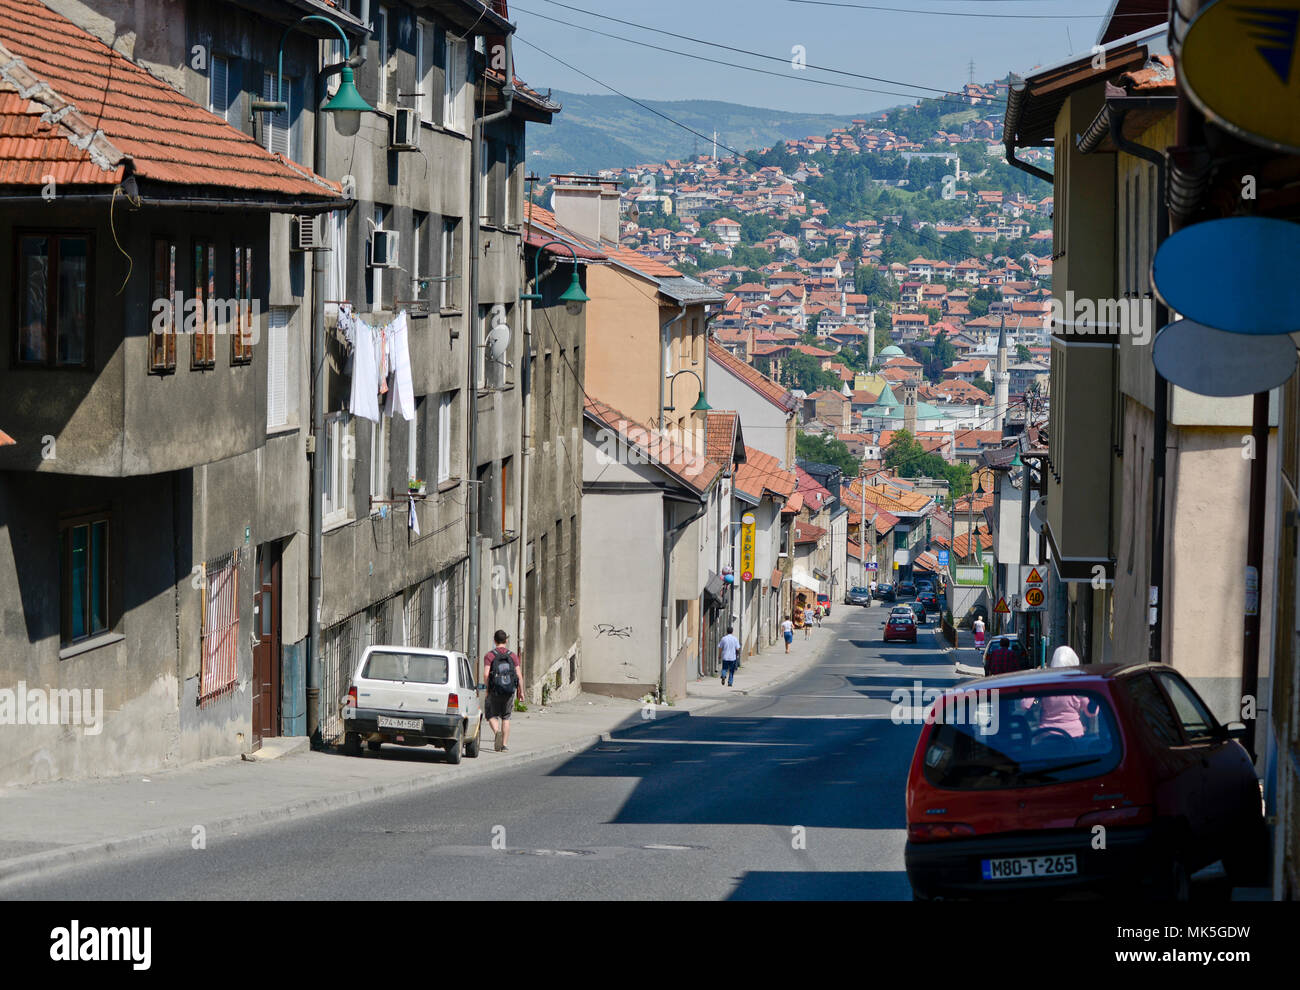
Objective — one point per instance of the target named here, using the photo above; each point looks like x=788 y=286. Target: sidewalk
x=46 y=827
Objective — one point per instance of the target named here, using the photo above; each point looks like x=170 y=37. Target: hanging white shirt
x=365 y=366
x=402 y=394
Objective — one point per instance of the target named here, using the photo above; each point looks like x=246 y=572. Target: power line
x=750 y=68
x=741 y=51
x=960 y=13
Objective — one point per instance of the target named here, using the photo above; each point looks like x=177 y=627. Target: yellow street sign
x=1240 y=63
x=747 y=547
x=1034 y=577
x=1001 y=607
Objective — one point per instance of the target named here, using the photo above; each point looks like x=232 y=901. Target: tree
x=906 y=455
x=802 y=371
x=983 y=386
x=1022 y=354
x=826 y=450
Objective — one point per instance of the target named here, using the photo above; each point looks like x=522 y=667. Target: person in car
x=1065 y=712
x=1002 y=659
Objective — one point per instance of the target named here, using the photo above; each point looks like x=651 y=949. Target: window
x=219 y=86
x=507 y=501
x=281 y=382
x=494 y=178
x=420 y=248
x=83 y=560
x=336 y=262
x=219 y=672
x=415 y=434
x=243 y=334
x=424 y=69
x=202 y=321
x=379 y=461
x=487 y=501
x=279 y=129
x=449 y=271
x=785 y=541
x=339 y=456
x=162 y=336
x=548 y=380
x=1198 y=723
x=377 y=274
x=332 y=54
x=444 y=437
x=1153 y=708
x=442 y=623
x=381 y=40
x=573 y=560
x=454 y=72
x=53 y=299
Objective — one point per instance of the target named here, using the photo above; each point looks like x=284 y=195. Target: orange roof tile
x=694 y=470
x=761 y=473
x=128 y=116
x=720 y=436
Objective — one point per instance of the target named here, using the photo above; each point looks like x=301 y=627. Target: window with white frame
x=281 y=371
x=420 y=249
x=444 y=436
x=415 y=436
x=336 y=260
x=379 y=461
x=450 y=264
x=277 y=128
x=340 y=455
x=424 y=69
x=454 y=69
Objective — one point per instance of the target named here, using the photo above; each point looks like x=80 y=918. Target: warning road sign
x=1001 y=607
x=1029 y=575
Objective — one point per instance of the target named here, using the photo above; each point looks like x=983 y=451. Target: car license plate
x=385 y=722
x=1029 y=867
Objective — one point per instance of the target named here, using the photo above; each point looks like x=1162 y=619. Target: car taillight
x=931 y=831
x=453 y=701
x=352 y=697
x=1133 y=814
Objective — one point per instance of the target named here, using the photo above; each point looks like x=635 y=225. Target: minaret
x=1001 y=377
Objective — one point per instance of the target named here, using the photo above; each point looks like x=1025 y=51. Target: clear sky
x=929 y=50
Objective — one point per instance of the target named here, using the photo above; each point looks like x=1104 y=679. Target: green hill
x=595 y=132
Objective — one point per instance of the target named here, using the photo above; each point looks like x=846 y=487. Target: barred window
x=220 y=628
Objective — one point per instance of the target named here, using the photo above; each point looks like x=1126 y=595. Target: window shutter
x=444 y=438
x=277 y=369
x=219 y=81
x=277 y=124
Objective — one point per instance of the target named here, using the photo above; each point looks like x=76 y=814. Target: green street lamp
x=573 y=297
x=346 y=102
x=700 y=404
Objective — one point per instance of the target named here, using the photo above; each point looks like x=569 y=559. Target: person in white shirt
x=729 y=654
x=787 y=630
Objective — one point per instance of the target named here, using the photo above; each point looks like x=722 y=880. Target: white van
x=413 y=697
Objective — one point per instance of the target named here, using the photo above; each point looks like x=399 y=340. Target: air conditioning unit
x=307 y=233
x=383 y=249
x=406 y=130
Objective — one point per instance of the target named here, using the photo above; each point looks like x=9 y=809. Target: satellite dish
x=498 y=341
x=1215 y=362
x=1038 y=515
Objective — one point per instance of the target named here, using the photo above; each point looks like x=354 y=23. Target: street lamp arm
x=536 y=295
x=279 y=80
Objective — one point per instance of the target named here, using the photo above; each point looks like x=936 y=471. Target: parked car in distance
x=900 y=626
x=906 y=589
x=825 y=602
x=885 y=592
x=928 y=599
x=858 y=596
x=413 y=697
x=1005 y=799
x=1016 y=647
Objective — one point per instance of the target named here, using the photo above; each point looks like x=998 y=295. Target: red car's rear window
x=993 y=740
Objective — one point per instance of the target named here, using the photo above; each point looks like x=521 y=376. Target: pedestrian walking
x=504 y=679
x=807 y=621
x=729 y=654
x=787 y=630
x=817 y=613
x=978 y=626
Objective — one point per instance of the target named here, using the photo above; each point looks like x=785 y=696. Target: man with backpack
x=505 y=682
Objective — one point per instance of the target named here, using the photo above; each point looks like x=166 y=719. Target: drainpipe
x=670 y=533
x=317 y=488
x=475 y=158
x=665 y=334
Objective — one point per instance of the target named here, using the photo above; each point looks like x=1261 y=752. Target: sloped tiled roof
x=805 y=532
x=763 y=473
x=693 y=470
x=114 y=116
x=720 y=436
x=752 y=377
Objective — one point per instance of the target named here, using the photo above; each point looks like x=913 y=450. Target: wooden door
x=266 y=652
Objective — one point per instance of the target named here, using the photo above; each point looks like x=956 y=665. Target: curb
x=54 y=860
x=780 y=679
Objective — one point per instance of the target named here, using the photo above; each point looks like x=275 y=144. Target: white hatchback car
x=413 y=697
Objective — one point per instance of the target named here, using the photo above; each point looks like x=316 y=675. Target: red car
x=1113 y=778
x=900 y=626
x=825 y=602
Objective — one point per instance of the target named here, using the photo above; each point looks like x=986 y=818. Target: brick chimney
x=587 y=205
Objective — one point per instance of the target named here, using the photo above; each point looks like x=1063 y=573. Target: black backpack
x=503 y=679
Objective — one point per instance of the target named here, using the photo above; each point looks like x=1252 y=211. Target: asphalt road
x=792 y=793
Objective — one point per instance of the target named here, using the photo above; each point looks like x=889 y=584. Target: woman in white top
x=978 y=626
x=787 y=630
